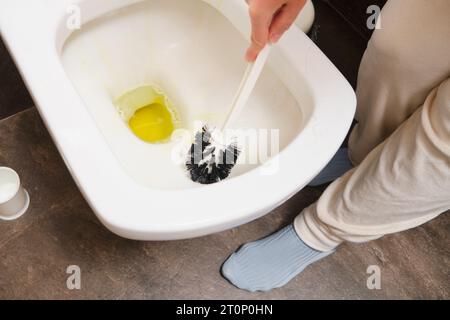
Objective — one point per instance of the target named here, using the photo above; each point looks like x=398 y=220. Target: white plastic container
x=14 y=199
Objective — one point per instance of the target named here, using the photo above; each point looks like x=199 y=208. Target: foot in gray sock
x=270 y=262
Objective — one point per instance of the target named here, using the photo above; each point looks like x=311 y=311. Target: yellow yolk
x=152 y=123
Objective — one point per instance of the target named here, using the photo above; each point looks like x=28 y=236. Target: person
x=395 y=174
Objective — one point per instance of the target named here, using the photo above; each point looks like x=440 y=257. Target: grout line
x=16 y=114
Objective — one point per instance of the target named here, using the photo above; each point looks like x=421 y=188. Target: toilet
x=193 y=51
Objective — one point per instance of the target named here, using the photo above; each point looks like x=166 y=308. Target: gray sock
x=337 y=167
x=271 y=262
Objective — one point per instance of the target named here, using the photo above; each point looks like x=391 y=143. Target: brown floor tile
x=14 y=96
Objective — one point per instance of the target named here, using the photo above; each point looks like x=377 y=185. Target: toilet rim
x=117 y=200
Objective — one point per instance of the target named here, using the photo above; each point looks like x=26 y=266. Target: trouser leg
x=403 y=62
x=403 y=136
x=402 y=183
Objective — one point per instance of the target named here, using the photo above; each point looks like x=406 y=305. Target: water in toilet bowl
x=149 y=114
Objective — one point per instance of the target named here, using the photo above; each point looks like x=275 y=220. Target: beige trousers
x=401 y=145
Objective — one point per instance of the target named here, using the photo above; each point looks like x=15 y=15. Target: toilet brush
x=210 y=159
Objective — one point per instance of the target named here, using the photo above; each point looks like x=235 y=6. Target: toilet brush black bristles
x=210 y=161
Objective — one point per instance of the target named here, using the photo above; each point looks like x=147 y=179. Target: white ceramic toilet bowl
x=194 y=50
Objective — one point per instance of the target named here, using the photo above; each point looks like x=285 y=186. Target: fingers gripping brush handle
x=211 y=160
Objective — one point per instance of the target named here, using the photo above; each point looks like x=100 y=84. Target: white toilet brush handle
x=247 y=85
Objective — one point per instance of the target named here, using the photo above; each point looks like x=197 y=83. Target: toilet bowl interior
x=191 y=52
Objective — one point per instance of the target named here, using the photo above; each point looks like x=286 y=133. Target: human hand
x=270 y=20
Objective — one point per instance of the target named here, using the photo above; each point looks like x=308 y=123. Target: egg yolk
x=152 y=123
